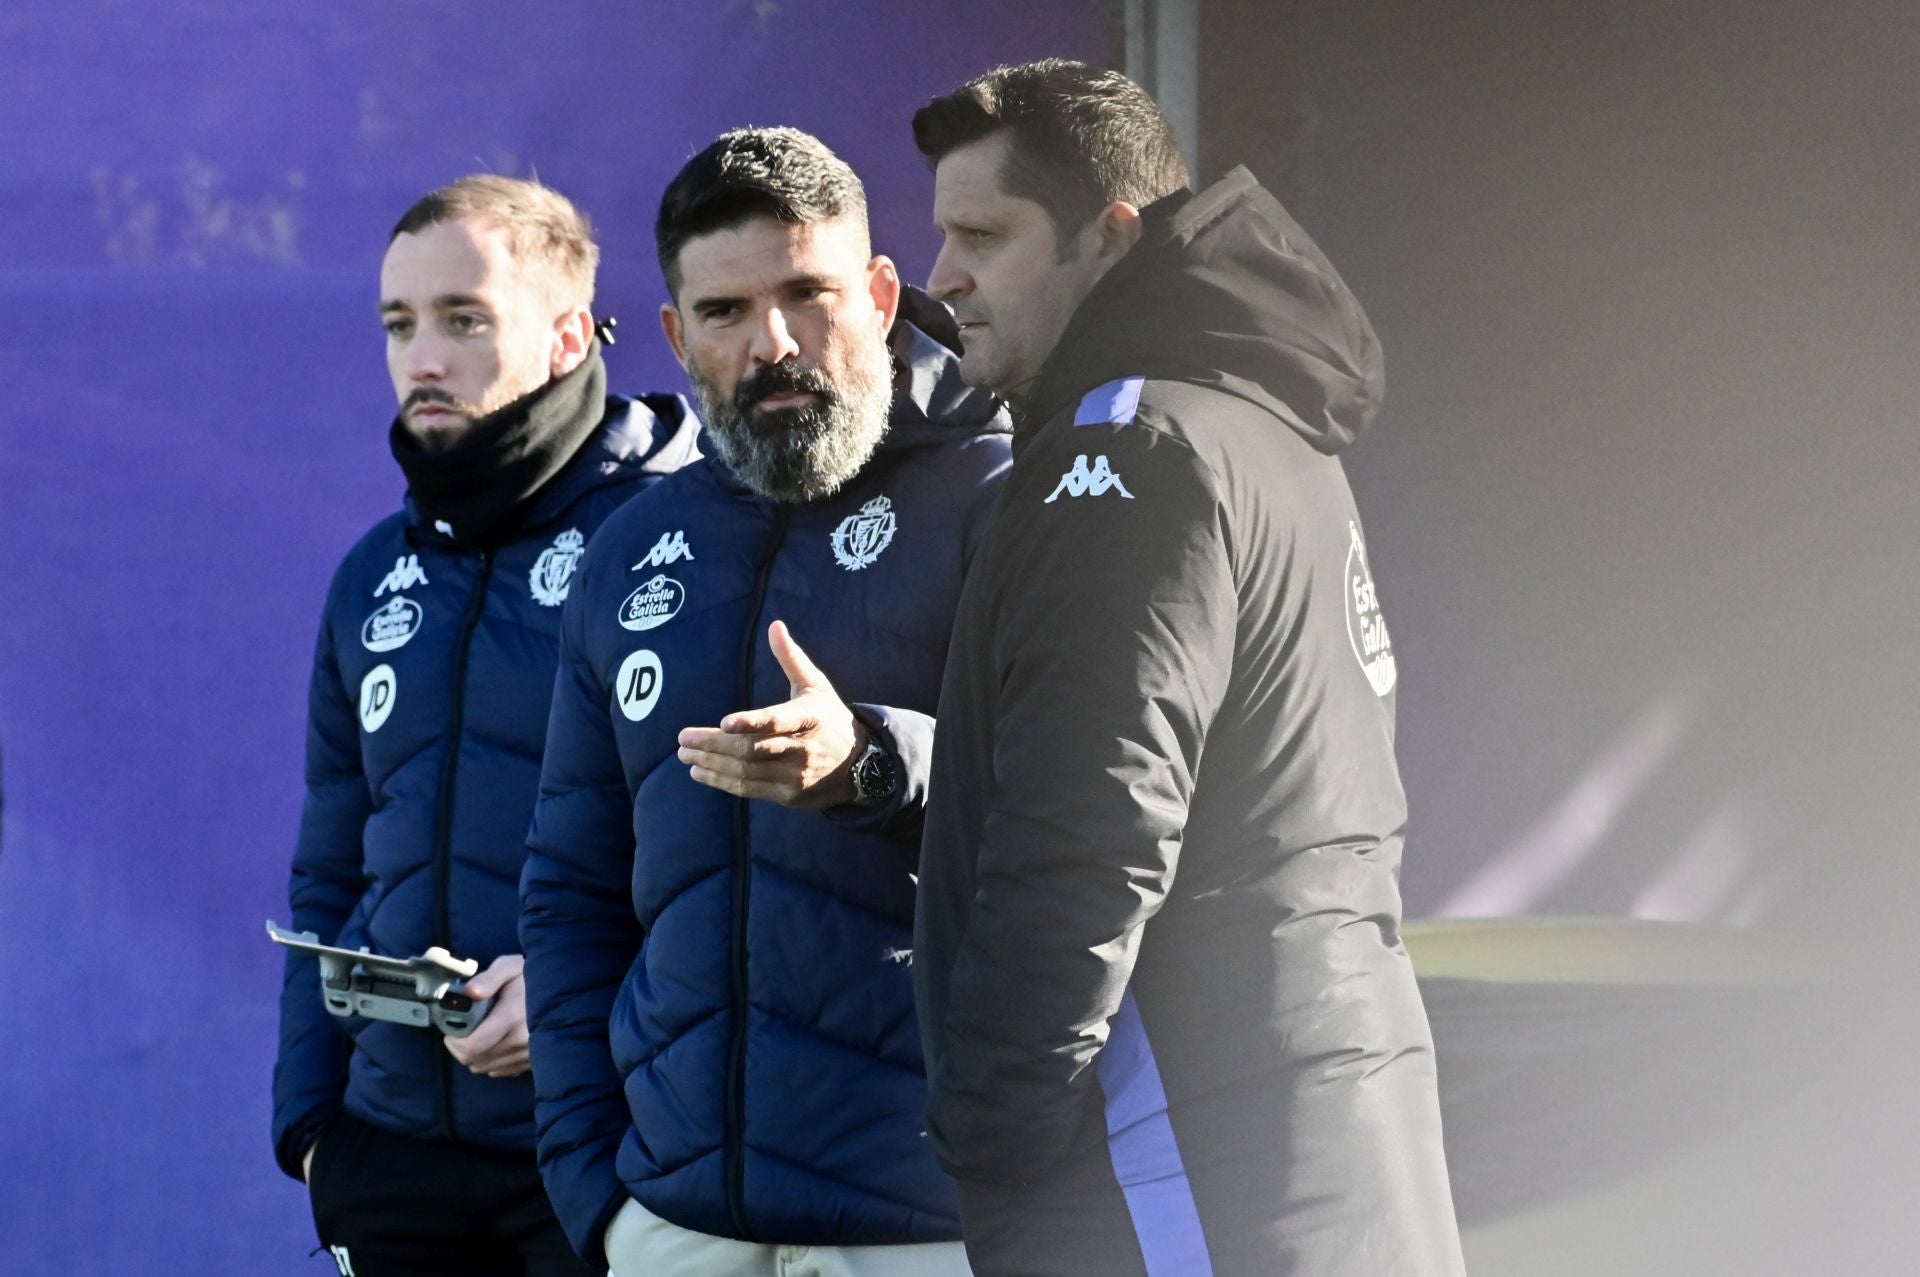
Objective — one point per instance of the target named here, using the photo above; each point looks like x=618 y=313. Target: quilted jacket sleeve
x=310 y=1075
x=579 y=934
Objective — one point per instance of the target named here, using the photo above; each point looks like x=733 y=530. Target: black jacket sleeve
x=310 y=1075
x=1113 y=644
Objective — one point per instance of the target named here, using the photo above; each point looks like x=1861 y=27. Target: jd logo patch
x=1366 y=628
x=636 y=689
x=377 y=691
x=553 y=571
x=655 y=603
x=391 y=626
x=861 y=538
x=669 y=549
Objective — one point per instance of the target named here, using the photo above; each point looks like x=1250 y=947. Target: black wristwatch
x=874 y=776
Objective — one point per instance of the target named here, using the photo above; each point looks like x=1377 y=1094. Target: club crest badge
x=1366 y=628
x=391 y=626
x=553 y=570
x=654 y=604
x=861 y=538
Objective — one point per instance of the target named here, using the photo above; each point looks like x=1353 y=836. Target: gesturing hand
x=498 y=1048
x=798 y=753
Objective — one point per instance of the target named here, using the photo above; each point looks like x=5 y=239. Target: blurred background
x=1640 y=506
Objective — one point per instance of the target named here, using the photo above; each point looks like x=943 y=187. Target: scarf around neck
x=481 y=485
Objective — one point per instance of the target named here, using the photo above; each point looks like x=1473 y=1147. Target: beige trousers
x=641 y=1244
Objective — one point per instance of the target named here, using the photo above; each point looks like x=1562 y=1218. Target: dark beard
x=798 y=454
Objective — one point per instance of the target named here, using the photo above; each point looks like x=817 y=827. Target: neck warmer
x=482 y=483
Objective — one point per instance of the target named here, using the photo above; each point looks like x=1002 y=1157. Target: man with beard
x=1170 y=1025
x=718 y=897
x=427 y=710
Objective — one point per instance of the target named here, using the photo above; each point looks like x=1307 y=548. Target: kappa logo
x=656 y=602
x=636 y=688
x=391 y=626
x=669 y=549
x=553 y=571
x=860 y=538
x=342 y=1260
x=1366 y=628
x=377 y=692
x=1083 y=482
x=406 y=574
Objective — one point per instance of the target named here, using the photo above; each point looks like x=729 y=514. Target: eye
x=467 y=323
x=397 y=327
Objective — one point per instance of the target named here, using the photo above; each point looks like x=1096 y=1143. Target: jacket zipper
x=443 y=819
x=742 y=871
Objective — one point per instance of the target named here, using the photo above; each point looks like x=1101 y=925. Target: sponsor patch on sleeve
x=1112 y=404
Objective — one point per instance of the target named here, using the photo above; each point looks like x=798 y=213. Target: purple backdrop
x=195 y=200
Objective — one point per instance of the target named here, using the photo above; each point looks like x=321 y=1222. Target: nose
x=772 y=343
x=425 y=361
x=948 y=281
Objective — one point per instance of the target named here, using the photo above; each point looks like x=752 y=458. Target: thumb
x=504 y=971
x=801 y=672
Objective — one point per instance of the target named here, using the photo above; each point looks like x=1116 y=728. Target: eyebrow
x=813 y=280
x=445 y=301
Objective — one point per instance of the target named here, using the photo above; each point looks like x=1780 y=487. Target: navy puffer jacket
x=427 y=711
x=746 y=962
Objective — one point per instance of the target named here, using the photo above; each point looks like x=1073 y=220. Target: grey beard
x=800 y=454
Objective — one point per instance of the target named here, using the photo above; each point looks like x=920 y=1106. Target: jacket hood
x=930 y=395
x=1225 y=289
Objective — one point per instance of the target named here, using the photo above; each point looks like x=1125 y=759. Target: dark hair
x=543 y=226
x=1082 y=137
x=746 y=173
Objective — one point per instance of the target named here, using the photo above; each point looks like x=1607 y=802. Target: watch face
x=873 y=775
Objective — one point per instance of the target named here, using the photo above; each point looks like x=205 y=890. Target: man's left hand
x=498 y=1048
x=798 y=753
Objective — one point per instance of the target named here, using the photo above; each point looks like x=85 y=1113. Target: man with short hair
x=427 y=712
x=718 y=898
x=1170 y=1027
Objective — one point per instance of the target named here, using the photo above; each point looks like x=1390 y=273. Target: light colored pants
x=641 y=1244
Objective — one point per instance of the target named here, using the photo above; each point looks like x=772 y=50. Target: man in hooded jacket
x=427 y=712
x=1170 y=1026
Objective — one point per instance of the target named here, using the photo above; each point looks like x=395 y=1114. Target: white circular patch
x=377 y=691
x=636 y=689
x=1366 y=628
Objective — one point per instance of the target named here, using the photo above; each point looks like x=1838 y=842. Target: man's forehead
x=763 y=250
x=972 y=176
x=468 y=255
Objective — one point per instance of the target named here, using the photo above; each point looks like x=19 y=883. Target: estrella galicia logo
x=655 y=603
x=391 y=626
x=1366 y=628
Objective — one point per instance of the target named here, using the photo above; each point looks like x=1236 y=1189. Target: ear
x=1116 y=230
x=572 y=336
x=676 y=335
x=883 y=284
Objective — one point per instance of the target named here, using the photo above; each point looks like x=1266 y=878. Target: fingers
x=801 y=672
x=499 y=973
x=724 y=744
x=776 y=791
